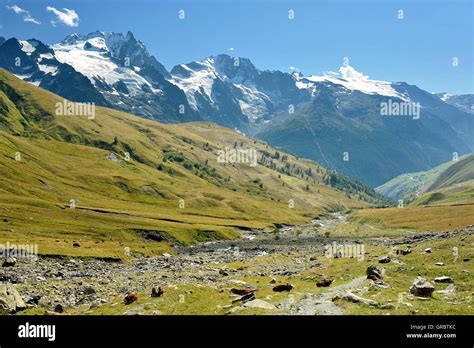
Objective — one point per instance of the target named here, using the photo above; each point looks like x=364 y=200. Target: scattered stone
x=375 y=273
x=387 y=306
x=273 y=281
x=324 y=283
x=443 y=279
x=94 y=304
x=166 y=255
x=245 y=298
x=89 y=290
x=33 y=299
x=379 y=284
x=283 y=287
x=113 y=157
x=223 y=272
x=157 y=293
x=10 y=299
x=450 y=289
x=385 y=259
x=256 y=303
x=350 y=297
x=236 y=281
x=439 y=264
x=465 y=260
x=9 y=262
x=59 y=308
x=421 y=287
x=428 y=250
x=76 y=245
x=130 y=298
x=405 y=251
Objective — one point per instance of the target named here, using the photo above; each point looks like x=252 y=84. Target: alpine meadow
x=239 y=158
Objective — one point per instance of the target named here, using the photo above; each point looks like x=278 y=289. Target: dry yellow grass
x=434 y=218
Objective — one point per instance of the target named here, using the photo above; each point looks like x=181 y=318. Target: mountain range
x=132 y=178
x=334 y=119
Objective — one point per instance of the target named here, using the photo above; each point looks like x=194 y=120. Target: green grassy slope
x=458 y=172
x=120 y=202
x=411 y=186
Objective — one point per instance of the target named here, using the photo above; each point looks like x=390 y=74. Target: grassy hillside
x=411 y=186
x=447 y=202
x=455 y=185
x=458 y=172
x=74 y=181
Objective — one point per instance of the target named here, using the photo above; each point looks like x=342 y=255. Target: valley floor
x=241 y=276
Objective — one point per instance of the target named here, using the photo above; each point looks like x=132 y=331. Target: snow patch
x=27 y=47
x=353 y=80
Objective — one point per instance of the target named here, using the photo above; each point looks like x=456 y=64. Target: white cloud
x=293 y=68
x=16 y=9
x=28 y=18
x=349 y=73
x=68 y=17
x=26 y=14
x=231 y=49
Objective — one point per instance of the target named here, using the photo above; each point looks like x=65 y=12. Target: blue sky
x=418 y=49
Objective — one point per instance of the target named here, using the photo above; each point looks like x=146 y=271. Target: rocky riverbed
x=79 y=285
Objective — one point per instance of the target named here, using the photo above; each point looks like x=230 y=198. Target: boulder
x=379 y=284
x=33 y=299
x=241 y=292
x=444 y=279
x=324 y=283
x=405 y=251
x=223 y=272
x=421 y=287
x=157 y=293
x=283 y=287
x=10 y=299
x=89 y=290
x=245 y=298
x=375 y=273
x=256 y=303
x=385 y=259
x=450 y=289
x=114 y=158
x=59 y=308
x=350 y=297
x=9 y=262
x=130 y=298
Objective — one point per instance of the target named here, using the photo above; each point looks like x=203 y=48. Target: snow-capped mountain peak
x=353 y=80
x=222 y=84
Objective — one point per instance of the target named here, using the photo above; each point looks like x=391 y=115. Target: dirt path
x=320 y=304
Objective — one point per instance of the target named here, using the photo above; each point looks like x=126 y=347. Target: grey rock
x=9 y=262
x=421 y=287
x=10 y=299
x=443 y=279
x=350 y=297
x=375 y=272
